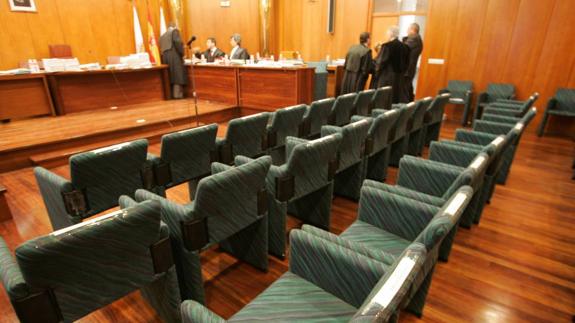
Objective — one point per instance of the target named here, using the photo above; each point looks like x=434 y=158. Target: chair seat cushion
x=375 y=238
x=294 y=299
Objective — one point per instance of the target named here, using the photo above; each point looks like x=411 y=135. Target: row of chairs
x=502 y=95
x=346 y=283
x=232 y=207
x=99 y=177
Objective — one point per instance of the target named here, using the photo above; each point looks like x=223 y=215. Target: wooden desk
x=215 y=83
x=23 y=96
x=269 y=89
x=102 y=89
x=334 y=79
x=254 y=88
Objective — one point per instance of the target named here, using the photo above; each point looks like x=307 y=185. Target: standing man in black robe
x=415 y=44
x=172 y=49
x=358 y=65
x=391 y=65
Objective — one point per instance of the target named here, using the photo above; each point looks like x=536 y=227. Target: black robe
x=390 y=67
x=358 y=65
x=415 y=45
x=173 y=55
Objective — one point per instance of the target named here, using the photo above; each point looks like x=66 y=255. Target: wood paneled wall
x=207 y=19
x=529 y=43
x=95 y=29
x=526 y=42
x=303 y=23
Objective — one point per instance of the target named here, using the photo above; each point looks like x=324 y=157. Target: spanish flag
x=152 y=43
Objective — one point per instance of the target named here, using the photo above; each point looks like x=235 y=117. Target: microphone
x=191 y=40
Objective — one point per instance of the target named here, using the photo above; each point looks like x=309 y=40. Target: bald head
x=393 y=32
x=413 y=29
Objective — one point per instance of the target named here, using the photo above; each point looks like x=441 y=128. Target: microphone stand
x=194 y=93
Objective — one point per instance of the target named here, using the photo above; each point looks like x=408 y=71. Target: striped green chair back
x=103 y=175
x=565 y=100
x=189 y=153
x=308 y=162
x=458 y=88
x=285 y=122
x=500 y=91
x=363 y=101
x=318 y=115
x=382 y=98
x=77 y=270
x=343 y=109
x=246 y=134
x=228 y=200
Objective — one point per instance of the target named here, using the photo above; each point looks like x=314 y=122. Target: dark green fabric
x=89 y=267
x=189 y=153
x=229 y=201
x=317 y=115
x=10 y=274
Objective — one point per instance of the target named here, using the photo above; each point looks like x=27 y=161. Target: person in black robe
x=172 y=49
x=391 y=64
x=358 y=65
x=415 y=44
x=212 y=53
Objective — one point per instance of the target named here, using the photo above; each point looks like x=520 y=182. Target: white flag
x=163 y=27
x=140 y=48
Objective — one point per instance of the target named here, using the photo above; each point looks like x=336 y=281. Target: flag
x=152 y=43
x=163 y=27
x=138 y=31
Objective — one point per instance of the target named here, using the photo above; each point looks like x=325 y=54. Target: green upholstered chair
x=319 y=80
x=363 y=102
x=378 y=145
x=464 y=155
x=245 y=136
x=382 y=99
x=328 y=282
x=352 y=166
x=302 y=187
x=498 y=128
x=342 y=110
x=494 y=92
x=478 y=141
x=317 y=115
x=508 y=108
x=186 y=156
x=434 y=118
x=415 y=127
x=461 y=94
x=433 y=183
x=561 y=104
x=97 y=179
x=399 y=133
x=283 y=123
x=229 y=209
x=67 y=274
x=390 y=223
